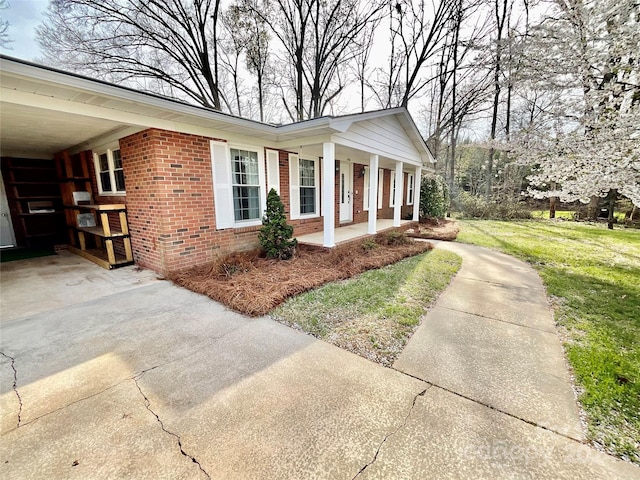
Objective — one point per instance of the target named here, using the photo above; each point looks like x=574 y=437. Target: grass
x=373 y=314
x=568 y=214
x=592 y=276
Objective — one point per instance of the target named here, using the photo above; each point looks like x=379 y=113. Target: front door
x=6 y=229
x=346 y=192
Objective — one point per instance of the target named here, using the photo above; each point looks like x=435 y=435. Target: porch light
x=363 y=171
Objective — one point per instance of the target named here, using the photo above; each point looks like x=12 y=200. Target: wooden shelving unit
x=73 y=176
x=104 y=253
x=35 y=201
x=109 y=222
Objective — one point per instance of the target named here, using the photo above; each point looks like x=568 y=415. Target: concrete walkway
x=158 y=382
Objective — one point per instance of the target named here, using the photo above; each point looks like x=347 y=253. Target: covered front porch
x=362 y=175
x=349 y=233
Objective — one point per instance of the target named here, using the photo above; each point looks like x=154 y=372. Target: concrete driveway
x=148 y=380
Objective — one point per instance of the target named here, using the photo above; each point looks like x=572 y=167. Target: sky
x=23 y=16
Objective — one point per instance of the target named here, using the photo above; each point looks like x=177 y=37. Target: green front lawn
x=592 y=276
x=374 y=313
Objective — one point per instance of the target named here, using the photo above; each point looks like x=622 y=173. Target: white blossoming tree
x=588 y=143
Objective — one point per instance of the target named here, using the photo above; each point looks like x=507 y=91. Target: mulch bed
x=435 y=229
x=254 y=285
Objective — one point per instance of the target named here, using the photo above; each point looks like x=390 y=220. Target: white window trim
x=410 y=188
x=392 y=189
x=316 y=179
x=380 y=187
x=365 y=197
x=262 y=181
x=112 y=174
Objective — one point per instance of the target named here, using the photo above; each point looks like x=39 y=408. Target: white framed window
x=392 y=190
x=304 y=193
x=239 y=184
x=308 y=188
x=410 y=188
x=380 y=186
x=109 y=172
x=245 y=183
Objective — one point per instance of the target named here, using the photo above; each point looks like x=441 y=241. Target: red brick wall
x=170 y=202
x=301 y=226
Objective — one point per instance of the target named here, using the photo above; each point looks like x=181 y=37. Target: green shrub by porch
x=434 y=197
x=276 y=235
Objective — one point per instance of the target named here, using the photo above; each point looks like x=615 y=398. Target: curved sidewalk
x=491 y=338
x=499 y=401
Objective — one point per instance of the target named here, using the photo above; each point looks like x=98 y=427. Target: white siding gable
x=382 y=136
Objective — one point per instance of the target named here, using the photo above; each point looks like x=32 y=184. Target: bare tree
x=417 y=30
x=171 y=42
x=257 y=54
x=318 y=39
x=500 y=9
x=232 y=45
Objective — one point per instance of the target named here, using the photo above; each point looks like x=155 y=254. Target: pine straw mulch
x=435 y=229
x=252 y=284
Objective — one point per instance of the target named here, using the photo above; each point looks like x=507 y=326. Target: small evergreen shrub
x=369 y=244
x=434 y=197
x=391 y=238
x=276 y=235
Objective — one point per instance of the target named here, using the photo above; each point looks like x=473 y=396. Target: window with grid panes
x=246 y=184
x=307 y=186
x=110 y=174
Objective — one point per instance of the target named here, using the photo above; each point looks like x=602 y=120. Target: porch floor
x=349 y=232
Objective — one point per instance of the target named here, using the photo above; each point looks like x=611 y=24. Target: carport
x=38 y=119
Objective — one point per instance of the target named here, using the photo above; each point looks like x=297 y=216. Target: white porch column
x=416 y=194
x=397 y=209
x=328 y=192
x=373 y=194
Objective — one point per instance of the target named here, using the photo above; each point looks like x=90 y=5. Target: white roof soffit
x=36 y=79
x=26 y=77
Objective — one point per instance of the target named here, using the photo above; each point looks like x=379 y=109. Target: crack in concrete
x=537 y=329
x=491 y=407
x=147 y=404
x=404 y=422
x=15 y=385
x=119 y=382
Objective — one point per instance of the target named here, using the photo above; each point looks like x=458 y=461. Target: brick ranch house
x=194 y=181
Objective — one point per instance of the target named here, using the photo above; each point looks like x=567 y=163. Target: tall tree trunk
x=613 y=195
x=454 y=92
x=592 y=210
x=260 y=98
x=552 y=203
x=500 y=20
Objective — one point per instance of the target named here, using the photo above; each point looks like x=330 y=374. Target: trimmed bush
x=434 y=197
x=276 y=235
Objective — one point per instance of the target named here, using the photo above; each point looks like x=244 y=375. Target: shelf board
x=39 y=214
x=42 y=235
x=51 y=169
x=39 y=197
x=33 y=183
x=100 y=208
x=99 y=257
x=98 y=232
